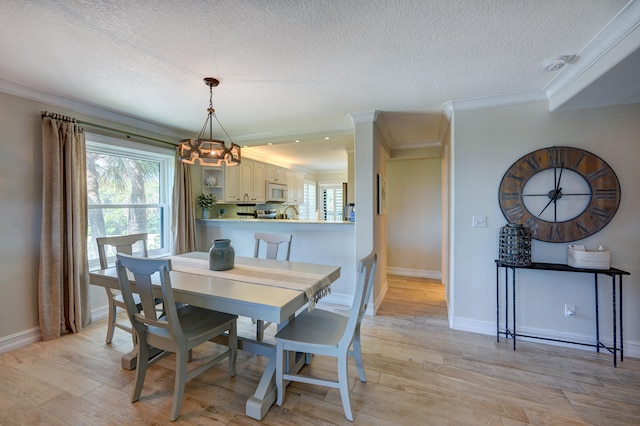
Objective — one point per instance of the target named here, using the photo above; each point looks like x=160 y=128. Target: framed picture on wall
x=382 y=195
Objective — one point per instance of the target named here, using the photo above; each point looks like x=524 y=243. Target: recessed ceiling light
x=297 y=140
x=270 y=144
x=554 y=64
x=327 y=138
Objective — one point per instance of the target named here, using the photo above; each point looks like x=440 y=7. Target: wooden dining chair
x=328 y=333
x=179 y=329
x=110 y=246
x=269 y=244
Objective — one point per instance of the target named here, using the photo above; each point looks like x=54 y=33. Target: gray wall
x=20 y=211
x=484 y=144
x=414 y=224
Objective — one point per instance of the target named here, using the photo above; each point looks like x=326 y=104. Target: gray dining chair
x=322 y=332
x=270 y=244
x=179 y=329
x=126 y=244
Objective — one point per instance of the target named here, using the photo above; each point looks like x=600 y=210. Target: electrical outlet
x=569 y=311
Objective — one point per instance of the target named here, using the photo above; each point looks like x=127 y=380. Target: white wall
x=484 y=144
x=414 y=212
x=329 y=243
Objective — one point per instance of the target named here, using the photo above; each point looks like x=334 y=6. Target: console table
x=616 y=277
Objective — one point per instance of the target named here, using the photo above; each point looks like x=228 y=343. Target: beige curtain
x=183 y=216
x=63 y=285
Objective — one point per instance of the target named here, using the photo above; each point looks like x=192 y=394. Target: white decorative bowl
x=600 y=259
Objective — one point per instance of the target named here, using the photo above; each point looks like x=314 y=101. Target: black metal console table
x=612 y=272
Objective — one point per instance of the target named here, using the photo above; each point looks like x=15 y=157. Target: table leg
x=620 y=304
x=497 y=303
x=615 y=318
x=597 y=316
x=265 y=395
x=513 y=290
x=506 y=303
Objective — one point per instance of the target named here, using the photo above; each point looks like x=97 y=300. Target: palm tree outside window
x=128 y=190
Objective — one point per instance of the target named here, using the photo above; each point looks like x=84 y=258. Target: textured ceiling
x=291 y=68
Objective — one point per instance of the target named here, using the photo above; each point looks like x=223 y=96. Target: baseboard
x=631 y=347
x=342 y=300
x=99 y=313
x=18 y=340
x=417 y=273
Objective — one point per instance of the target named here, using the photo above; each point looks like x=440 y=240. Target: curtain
x=63 y=284
x=183 y=212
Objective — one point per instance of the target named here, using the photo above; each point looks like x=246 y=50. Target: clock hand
x=559 y=177
x=553 y=199
x=556 y=190
x=545 y=207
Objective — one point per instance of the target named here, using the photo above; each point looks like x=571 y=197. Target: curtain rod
x=123 y=132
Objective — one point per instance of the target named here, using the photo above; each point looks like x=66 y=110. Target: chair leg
x=357 y=355
x=111 y=324
x=233 y=347
x=141 y=371
x=259 y=330
x=279 y=372
x=178 y=389
x=343 y=381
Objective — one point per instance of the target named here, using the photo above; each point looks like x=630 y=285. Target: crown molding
x=494 y=101
x=364 y=117
x=617 y=40
x=88 y=109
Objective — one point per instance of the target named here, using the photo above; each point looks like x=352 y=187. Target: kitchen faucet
x=290 y=207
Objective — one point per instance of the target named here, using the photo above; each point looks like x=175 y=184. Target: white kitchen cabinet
x=295 y=186
x=213 y=182
x=259 y=189
x=232 y=184
x=245 y=182
x=275 y=173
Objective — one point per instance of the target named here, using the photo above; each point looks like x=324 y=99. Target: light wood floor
x=419 y=373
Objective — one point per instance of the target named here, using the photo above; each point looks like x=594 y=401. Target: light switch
x=479 y=221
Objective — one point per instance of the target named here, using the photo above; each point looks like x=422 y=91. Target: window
x=128 y=191
x=332 y=200
x=308 y=207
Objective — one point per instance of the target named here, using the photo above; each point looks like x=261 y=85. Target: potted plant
x=206 y=201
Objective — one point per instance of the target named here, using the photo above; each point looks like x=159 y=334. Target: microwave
x=276 y=192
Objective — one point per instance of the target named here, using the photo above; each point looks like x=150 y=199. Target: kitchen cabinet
x=275 y=173
x=232 y=184
x=213 y=182
x=245 y=182
x=295 y=186
x=259 y=189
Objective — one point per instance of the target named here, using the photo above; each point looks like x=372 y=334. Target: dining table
x=263 y=289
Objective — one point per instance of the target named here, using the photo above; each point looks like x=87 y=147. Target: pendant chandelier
x=209 y=152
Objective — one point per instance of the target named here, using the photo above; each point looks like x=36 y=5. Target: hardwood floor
x=419 y=373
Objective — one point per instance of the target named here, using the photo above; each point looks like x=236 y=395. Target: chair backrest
x=272 y=242
x=121 y=244
x=364 y=286
x=142 y=270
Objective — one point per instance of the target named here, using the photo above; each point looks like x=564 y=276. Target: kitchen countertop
x=287 y=221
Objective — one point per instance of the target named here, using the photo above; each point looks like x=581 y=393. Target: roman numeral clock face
x=561 y=194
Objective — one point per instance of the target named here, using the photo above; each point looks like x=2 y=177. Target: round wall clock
x=560 y=193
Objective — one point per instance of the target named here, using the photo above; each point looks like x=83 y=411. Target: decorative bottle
x=221 y=255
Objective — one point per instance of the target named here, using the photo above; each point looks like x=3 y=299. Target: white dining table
x=243 y=296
